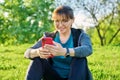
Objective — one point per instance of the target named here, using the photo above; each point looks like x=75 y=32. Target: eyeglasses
x=64 y=22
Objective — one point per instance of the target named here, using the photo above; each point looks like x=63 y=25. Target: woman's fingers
x=55 y=49
x=56 y=44
x=45 y=56
x=44 y=53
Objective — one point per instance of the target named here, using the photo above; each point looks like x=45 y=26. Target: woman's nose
x=60 y=24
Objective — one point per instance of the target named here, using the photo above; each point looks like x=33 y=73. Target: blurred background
x=22 y=23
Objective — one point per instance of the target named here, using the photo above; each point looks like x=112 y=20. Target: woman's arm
x=33 y=51
x=85 y=47
x=37 y=51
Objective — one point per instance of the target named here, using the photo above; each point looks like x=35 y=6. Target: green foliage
x=107 y=31
x=107 y=23
x=24 y=21
x=94 y=36
x=103 y=63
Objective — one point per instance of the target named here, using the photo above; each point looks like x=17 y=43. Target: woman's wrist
x=27 y=53
x=69 y=51
x=63 y=52
x=72 y=52
x=34 y=53
x=67 y=54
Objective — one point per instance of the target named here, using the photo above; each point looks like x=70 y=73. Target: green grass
x=104 y=62
x=13 y=65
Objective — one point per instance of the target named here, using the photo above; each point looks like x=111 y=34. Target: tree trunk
x=114 y=36
x=100 y=36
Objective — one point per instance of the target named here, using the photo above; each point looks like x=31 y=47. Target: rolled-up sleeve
x=37 y=45
x=85 y=47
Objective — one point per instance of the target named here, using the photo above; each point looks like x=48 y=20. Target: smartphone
x=47 y=40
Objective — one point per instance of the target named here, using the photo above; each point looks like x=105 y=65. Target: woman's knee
x=35 y=70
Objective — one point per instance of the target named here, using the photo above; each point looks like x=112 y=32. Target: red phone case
x=47 y=40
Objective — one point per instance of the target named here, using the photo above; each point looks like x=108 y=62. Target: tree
x=104 y=24
x=23 y=21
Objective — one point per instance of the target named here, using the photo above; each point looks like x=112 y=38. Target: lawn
x=104 y=62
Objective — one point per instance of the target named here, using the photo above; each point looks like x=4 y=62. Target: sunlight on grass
x=104 y=62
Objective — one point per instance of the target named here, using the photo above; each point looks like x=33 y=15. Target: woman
x=70 y=49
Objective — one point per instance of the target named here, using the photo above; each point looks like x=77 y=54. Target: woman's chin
x=62 y=31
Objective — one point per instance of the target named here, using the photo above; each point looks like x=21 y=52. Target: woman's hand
x=56 y=49
x=44 y=53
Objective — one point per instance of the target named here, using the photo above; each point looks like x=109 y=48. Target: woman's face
x=63 y=25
